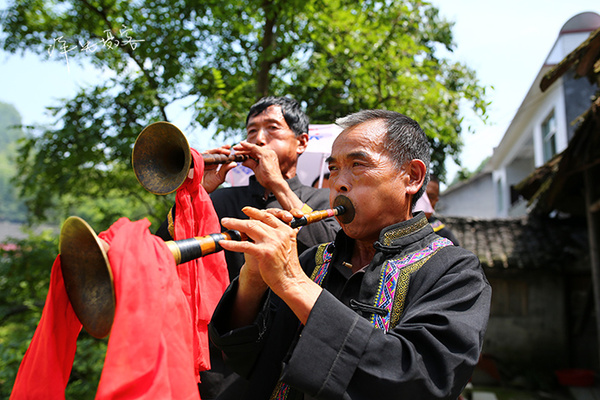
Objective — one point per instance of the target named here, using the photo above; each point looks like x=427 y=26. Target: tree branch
x=129 y=51
x=262 y=81
x=19 y=310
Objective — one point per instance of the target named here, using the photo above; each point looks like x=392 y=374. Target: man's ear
x=302 y=143
x=416 y=170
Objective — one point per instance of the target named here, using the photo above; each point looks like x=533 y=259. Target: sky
x=504 y=42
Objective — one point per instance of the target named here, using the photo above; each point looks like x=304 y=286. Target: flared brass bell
x=87 y=276
x=161 y=158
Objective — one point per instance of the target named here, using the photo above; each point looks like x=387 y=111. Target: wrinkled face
x=270 y=129
x=362 y=170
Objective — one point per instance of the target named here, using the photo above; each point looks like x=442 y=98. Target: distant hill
x=11 y=208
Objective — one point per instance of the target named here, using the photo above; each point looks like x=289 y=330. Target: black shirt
x=228 y=202
x=439 y=315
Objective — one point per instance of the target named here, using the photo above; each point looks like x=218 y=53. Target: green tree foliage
x=24 y=281
x=10 y=132
x=335 y=56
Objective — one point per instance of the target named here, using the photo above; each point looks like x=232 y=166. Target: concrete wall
x=527 y=322
x=473 y=200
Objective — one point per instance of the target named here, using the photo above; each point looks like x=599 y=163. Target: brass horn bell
x=88 y=276
x=161 y=158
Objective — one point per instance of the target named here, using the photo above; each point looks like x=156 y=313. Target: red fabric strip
x=205 y=279
x=149 y=352
x=46 y=366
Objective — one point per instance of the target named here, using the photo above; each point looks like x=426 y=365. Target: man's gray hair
x=404 y=140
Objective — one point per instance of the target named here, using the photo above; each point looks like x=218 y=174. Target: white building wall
x=501 y=192
x=511 y=170
x=553 y=101
x=476 y=200
x=565 y=44
x=522 y=146
x=562 y=136
x=538 y=145
x=515 y=173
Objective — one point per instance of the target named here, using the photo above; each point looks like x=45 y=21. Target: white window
x=549 y=136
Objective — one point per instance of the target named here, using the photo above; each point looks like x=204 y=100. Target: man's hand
x=214 y=175
x=271 y=256
x=272 y=251
x=265 y=164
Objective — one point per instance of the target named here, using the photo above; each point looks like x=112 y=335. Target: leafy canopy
x=335 y=56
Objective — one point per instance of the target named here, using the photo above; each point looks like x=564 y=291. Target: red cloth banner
x=149 y=352
x=205 y=279
x=159 y=339
x=46 y=366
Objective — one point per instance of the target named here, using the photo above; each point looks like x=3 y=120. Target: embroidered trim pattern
x=388 y=284
x=402 y=290
x=388 y=237
x=392 y=290
x=171 y=223
x=306 y=208
x=322 y=259
x=281 y=391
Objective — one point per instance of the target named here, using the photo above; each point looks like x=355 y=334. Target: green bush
x=24 y=281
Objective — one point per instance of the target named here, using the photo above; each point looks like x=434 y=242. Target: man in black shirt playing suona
x=388 y=310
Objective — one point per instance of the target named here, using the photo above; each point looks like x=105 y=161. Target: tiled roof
x=584 y=57
x=521 y=243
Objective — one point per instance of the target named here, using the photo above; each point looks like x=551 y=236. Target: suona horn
x=88 y=276
x=161 y=158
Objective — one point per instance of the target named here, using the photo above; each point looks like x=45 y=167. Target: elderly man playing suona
x=389 y=310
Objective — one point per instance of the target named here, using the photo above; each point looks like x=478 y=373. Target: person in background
x=277 y=134
x=433 y=195
x=324 y=183
x=388 y=310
